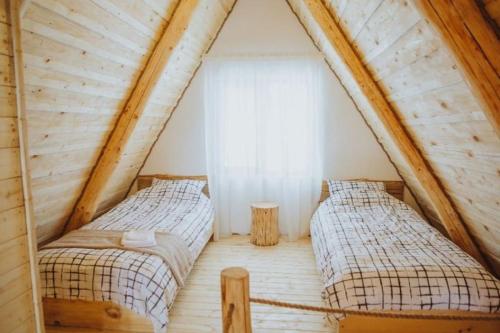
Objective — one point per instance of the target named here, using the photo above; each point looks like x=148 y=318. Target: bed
x=120 y=290
x=374 y=252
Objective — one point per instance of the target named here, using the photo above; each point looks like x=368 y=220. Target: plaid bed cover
x=139 y=282
x=385 y=257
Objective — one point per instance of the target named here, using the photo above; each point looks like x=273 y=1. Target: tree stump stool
x=265 y=230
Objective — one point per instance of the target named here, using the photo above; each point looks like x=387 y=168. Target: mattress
x=140 y=282
x=381 y=255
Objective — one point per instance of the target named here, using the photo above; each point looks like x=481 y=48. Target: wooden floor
x=286 y=272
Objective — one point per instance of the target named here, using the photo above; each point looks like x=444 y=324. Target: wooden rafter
x=475 y=46
x=87 y=203
x=447 y=214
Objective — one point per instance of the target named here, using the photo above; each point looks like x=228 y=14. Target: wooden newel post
x=235 y=293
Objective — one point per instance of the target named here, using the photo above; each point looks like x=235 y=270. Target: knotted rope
x=383 y=314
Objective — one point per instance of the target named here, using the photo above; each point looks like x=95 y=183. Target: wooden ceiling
x=82 y=62
x=433 y=98
x=84 y=59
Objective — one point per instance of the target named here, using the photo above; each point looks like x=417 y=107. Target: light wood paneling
x=15 y=314
x=336 y=64
x=475 y=46
x=17 y=301
x=391 y=123
x=436 y=106
x=131 y=114
x=185 y=60
x=82 y=58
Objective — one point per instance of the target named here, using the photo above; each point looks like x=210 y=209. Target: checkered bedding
x=374 y=252
x=142 y=283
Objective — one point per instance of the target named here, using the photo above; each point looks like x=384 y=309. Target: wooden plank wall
x=421 y=79
x=362 y=13
x=82 y=59
x=184 y=62
x=16 y=297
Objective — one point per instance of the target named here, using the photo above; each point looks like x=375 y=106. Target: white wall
x=181 y=147
x=269 y=27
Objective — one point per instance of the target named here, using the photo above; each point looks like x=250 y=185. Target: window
x=262 y=130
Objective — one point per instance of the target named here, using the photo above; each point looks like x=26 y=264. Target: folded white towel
x=138 y=238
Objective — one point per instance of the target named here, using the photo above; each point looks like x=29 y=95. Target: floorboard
x=285 y=271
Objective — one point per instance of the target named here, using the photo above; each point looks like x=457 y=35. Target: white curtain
x=263 y=139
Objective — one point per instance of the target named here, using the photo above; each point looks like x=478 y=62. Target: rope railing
x=380 y=314
x=236 y=301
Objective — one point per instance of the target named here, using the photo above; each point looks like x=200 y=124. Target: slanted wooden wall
x=421 y=79
x=17 y=310
x=82 y=60
x=184 y=62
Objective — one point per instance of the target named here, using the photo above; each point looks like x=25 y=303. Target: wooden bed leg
x=235 y=293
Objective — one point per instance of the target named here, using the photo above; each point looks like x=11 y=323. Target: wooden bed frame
x=236 y=294
x=360 y=324
x=236 y=314
x=89 y=317
x=75 y=316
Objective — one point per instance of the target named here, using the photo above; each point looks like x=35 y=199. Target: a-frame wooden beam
x=447 y=214
x=475 y=46
x=87 y=203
